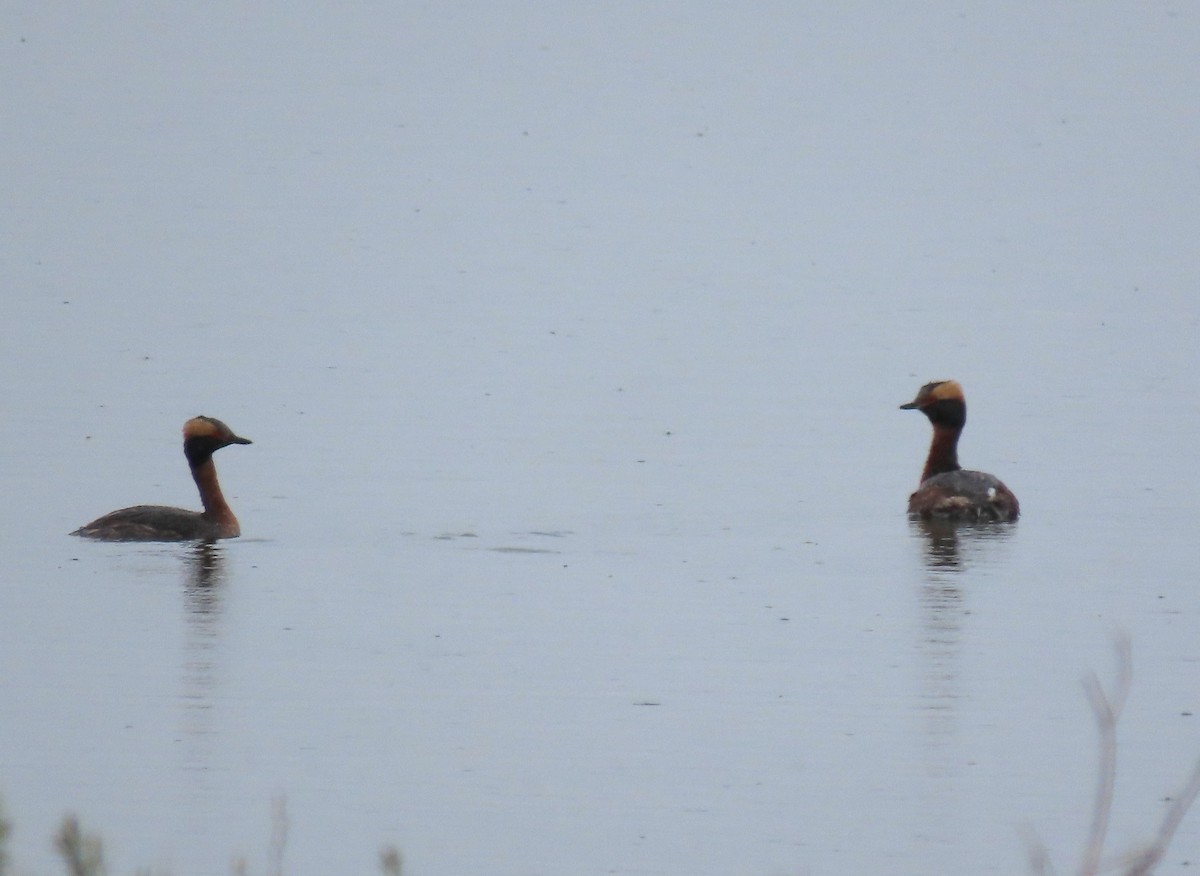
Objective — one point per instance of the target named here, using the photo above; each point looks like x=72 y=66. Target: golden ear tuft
x=944 y=390
x=201 y=427
x=933 y=392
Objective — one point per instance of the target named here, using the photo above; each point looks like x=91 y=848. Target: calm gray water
x=571 y=343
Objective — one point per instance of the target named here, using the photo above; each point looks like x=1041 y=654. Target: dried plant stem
x=4 y=829
x=1144 y=862
x=1039 y=857
x=390 y=861
x=83 y=854
x=1107 y=710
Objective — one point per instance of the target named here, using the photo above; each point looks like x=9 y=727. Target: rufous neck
x=215 y=506
x=943 y=451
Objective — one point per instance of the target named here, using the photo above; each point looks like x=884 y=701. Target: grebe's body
x=947 y=490
x=202 y=437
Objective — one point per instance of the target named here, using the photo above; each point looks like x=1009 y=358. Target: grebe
x=202 y=436
x=946 y=490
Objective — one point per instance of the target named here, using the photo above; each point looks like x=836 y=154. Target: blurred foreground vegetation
x=83 y=853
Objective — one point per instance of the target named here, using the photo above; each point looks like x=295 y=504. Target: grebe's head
x=203 y=436
x=942 y=401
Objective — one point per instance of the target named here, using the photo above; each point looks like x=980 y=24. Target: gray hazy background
x=570 y=340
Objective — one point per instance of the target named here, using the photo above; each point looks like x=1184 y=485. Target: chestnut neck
x=216 y=509
x=943 y=451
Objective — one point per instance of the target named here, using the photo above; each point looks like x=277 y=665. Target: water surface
x=571 y=345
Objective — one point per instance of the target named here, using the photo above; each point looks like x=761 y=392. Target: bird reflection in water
x=951 y=544
x=205 y=578
x=204 y=591
x=949 y=549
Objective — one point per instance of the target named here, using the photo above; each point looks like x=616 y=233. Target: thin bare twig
x=1039 y=856
x=1107 y=710
x=1143 y=863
